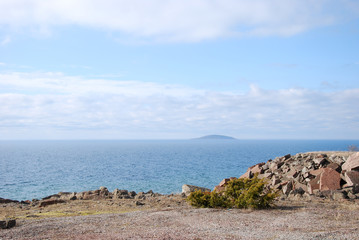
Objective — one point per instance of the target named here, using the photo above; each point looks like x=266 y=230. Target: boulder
x=8 y=223
x=4 y=200
x=329 y=180
x=48 y=202
x=352 y=163
x=187 y=189
x=313 y=184
x=352 y=178
x=287 y=187
x=334 y=166
x=257 y=168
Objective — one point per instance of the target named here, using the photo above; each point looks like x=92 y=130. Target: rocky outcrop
x=187 y=189
x=328 y=175
x=7 y=223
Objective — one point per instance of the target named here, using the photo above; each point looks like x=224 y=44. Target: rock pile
x=101 y=193
x=329 y=175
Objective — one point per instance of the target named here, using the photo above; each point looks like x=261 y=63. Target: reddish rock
x=225 y=181
x=316 y=172
x=247 y=174
x=222 y=185
x=313 y=184
x=352 y=178
x=334 y=166
x=329 y=180
x=352 y=163
x=257 y=168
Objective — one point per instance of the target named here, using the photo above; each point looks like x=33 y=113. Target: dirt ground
x=170 y=217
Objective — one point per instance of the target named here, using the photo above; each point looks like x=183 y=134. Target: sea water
x=35 y=169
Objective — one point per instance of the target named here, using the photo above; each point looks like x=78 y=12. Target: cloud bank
x=52 y=105
x=172 y=20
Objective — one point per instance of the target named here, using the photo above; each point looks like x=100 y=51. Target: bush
x=208 y=199
x=240 y=193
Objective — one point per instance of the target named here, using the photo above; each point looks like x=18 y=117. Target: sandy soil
x=170 y=217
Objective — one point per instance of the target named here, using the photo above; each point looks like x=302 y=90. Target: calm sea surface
x=35 y=169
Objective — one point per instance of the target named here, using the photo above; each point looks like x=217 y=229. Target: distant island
x=215 y=137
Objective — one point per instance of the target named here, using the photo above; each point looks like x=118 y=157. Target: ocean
x=35 y=169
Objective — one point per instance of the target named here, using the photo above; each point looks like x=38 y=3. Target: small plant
x=240 y=193
x=250 y=193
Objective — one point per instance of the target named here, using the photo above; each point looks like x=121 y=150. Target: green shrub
x=240 y=193
x=208 y=199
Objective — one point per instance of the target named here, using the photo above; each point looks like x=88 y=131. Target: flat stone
x=48 y=202
x=352 y=163
x=313 y=184
x=247 y=174
x=352 y=178
x=334 y=166
x=329 y=180
x=316 y=172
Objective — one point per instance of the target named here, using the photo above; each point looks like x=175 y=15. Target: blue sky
x=165 y=69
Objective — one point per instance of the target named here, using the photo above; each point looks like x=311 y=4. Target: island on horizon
x=215 y=137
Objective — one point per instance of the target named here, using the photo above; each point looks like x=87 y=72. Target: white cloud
x=5 y=40
x=172 y=20
x=39 y=105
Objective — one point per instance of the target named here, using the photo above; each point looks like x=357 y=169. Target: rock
x=316 y=172
x=8 y=223
x=319 y=161
x=4 y=200
x=352 y=178
x=313 y=184
x=334 y=166
x=286 y=188
x=139 y=203
x=187 y=189
x=352 y=163
x=48 y=202
x=257 y=168
x=222 y=185
x=329 y=180
x=247 y=174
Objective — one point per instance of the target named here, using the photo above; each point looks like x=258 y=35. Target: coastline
x=122 y=214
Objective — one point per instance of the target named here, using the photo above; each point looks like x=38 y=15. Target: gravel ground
x=289 y=220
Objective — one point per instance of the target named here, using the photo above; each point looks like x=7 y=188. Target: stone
x=275 y=180
x=10 y=223
x=139 y=203
x=352 y=163
x=313 y=184
x=257 y=168
x=316 y=172
x=4 y=200
x=287 y=187
x=48 y=202
x=329 y=180
x=187 y=189
x=292 y=173
x=352 y=178
x=319 y=161
x=247 y=174
x=2 y=224
x=334 y=166
x=7 y=223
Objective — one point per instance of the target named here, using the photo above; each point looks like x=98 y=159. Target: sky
x=169 y=69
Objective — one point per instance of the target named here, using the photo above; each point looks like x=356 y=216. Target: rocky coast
x=319 y=200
